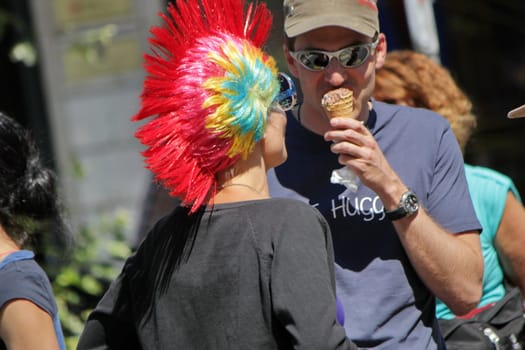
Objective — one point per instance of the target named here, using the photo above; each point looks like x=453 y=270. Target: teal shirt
x=488 y=189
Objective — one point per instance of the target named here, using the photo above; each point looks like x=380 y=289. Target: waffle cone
x=338 y=103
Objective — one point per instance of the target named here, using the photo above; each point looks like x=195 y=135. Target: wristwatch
x=408 y=205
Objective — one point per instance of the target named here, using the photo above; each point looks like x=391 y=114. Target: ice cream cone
x=338 y=103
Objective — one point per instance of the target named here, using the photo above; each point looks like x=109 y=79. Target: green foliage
x=23 y=49
x=96 y=260
x=93 y=44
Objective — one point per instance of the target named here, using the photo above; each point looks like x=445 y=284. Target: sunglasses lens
x=353 y=56
x=314 y=60
x=287 y=97
x=287 y=103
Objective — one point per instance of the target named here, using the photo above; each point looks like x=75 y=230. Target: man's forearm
x=451 y=265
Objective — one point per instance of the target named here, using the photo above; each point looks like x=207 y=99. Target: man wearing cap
x=409 y=231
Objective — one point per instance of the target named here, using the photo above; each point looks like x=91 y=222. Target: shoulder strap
x=506 y=309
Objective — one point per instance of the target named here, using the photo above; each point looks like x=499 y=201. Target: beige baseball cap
x=301 y=16
x=517 y=112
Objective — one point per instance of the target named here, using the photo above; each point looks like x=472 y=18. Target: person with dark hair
x=28 y=206
x=413 y=79
x=391 y=184
x=230 y=268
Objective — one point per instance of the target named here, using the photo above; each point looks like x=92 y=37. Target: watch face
x=408 y=205
x=411 y=203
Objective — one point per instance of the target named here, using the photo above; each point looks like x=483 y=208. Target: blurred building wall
x=91 y=63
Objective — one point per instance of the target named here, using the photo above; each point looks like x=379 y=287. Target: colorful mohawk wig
x=209 y=87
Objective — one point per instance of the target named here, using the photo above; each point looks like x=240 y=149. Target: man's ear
x=290 y=61
x=381 y=50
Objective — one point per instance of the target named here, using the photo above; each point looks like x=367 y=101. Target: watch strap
x=404 y=209
x=396 y=214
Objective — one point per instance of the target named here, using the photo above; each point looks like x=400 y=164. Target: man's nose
x=335 y=73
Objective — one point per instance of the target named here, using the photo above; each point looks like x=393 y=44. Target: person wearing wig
x=230 y=268
x=29 y=208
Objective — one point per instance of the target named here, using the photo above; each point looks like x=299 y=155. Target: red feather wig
x=208 y=89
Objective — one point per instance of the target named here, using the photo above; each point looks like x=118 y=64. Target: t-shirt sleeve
x=302 y=284
x=489 y=190
x=449 y=201
x=30 y=283
x=110 y=325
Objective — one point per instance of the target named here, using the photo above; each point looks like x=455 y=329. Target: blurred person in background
x=29 y=206
x=412 y=79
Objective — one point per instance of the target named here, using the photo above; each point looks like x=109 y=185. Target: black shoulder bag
x=500 y=327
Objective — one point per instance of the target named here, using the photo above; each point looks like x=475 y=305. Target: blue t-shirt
x=488 y=189
x=386 y=304
x=22 y=278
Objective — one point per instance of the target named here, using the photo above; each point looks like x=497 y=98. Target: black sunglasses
x=349 y=57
